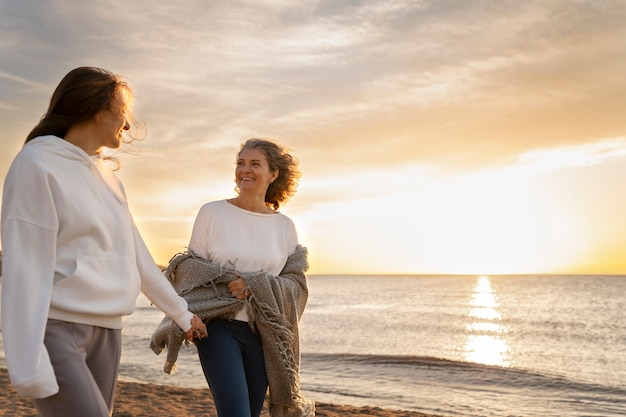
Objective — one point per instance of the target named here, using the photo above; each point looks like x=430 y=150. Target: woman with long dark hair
x=73 y=259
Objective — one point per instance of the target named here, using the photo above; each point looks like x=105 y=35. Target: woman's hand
x=198 y=329
x=238 y=289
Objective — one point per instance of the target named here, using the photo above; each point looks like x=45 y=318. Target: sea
x=465 y=346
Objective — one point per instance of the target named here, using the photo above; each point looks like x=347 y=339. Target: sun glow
x=496 y=221
x=485 y=344
x=492 y=223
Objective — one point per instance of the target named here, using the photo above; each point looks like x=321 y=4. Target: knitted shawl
x=275 y=306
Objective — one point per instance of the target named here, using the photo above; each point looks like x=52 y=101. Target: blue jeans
x=232 y=361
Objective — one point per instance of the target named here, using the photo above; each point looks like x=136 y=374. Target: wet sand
x=143 y=400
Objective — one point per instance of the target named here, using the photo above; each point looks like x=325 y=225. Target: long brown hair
x=81 y=94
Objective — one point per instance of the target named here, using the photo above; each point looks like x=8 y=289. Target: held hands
x=198 y=329
x=238 y=289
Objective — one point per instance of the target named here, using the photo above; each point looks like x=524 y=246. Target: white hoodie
x=71 y=252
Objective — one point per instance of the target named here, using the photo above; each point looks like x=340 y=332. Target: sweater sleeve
x=29 y=245
x=26 y=294
x=157 y=288
x=198 y=243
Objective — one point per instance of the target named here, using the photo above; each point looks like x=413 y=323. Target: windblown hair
x=81 y=94
x=278 y=158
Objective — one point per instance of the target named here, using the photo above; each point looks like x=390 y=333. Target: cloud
x=358 y=89
x=437 y=82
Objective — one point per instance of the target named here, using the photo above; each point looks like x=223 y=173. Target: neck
x=80 y=136
x=251 y=205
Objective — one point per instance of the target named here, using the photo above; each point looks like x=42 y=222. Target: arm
x=198 y=242
x=157 y=288
x=29 y=239
x=27 y=279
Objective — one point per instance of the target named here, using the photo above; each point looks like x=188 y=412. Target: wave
x=466 y=373
x=441 y=386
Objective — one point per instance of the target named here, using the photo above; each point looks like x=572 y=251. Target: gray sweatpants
x=86 y=363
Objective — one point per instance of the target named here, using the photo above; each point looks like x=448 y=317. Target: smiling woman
x=64 y=219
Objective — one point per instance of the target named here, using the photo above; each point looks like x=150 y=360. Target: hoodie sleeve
x=157 y=288
x=29 y=245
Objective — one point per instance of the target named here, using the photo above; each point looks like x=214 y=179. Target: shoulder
x=212 y=206
x=30 y=162
x=289 y=229
x=31 y=152
x=284 y=218
x=41 y=152
x=42 y=145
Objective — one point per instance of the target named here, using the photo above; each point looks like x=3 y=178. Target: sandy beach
x=139 y=400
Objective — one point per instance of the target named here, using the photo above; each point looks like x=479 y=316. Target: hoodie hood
x=59 y=147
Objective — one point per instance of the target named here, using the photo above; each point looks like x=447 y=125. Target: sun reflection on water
x=485 y=343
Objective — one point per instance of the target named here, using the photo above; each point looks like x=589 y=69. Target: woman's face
x=253 y=172
x=113 y=122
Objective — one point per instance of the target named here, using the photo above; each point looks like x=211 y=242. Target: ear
x=275 y=175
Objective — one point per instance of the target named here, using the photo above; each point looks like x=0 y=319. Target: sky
x=434 y=137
